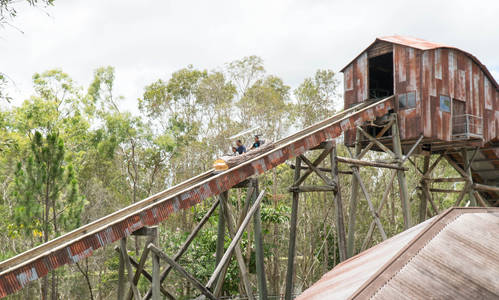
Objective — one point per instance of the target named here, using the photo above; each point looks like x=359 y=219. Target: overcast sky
x=149 y=39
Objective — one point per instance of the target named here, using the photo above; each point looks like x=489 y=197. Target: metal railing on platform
x=467 y=126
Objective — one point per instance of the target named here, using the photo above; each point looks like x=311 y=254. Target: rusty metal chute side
x=17 y=272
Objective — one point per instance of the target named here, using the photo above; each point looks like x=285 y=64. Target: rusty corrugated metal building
x=452 y=256
x=442 y=92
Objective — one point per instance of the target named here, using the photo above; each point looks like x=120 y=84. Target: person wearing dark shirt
x=257 y=143
x=240 y=147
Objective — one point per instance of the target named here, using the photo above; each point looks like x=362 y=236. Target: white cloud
x=146 y=40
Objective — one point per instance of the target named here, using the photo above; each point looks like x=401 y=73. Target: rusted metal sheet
x=433 y=70
x=462 y=259
x=16 y=272
x=451 y=256
x=348 y=276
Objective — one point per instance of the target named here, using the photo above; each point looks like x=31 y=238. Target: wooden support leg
x=292 y=236
x=259 y=255
x=186 y=244
x=237 y=249
x=340 y=223
x=370 y=204
x=182 y=272
x=388 y=189
x=221 y=230
x=424 y=200
x=156 y=283
x=235 y=241
x=128 y=266
x=467 y=168
x=121 y=278
x=354 y=196
x=153 y=232
x=397 y=148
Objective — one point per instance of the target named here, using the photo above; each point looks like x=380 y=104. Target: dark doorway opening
x=381 y=76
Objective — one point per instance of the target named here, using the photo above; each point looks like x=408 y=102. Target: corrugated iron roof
x=451 y=256
x=425 y=45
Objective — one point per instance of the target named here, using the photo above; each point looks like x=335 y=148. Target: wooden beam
x=322 y=169
x=467 y=168
x=380 y=208
x=378 y=143
x=462 y=193
x=370 y=204
x=259 y=250
x=324 y=178
x=186 y=244
x=433 y=190
x=121 y=276
x=316 y=163
x=151 y=233
x=221 y=278
x=480 y=199
x=371 y=144
x=340 y=221
x=359 y=162
x=457 y=179
x=312 y=188
x=240 y=260
x=415 y=166
x=483 y=187
x=292 y=236
x=182 y=272
x=354 y=198
x=128 y=265
x=423 y=207
x=235 y=240
x=404 y=196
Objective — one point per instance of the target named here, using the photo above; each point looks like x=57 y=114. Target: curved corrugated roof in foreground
x=454 y=255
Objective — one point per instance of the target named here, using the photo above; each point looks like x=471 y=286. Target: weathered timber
x=259 y=250
x=387 y=191
x=186 y=244
x=316 y=163
x=359 y=162
x=322 y=169
x=313 y=188
x=467 y=168
x=423 y=208
x=323 y=176
x=404 y=195
x=480 y=199
x=457 y=179
x=435 y=190
x=340 y=220
x=352 y=209
x=378 y=143
x=235 y=240
x=151 y=232
x=483 y=187
x=292 y=235
x=182 y=272
x=240 y=260
x=128 y=265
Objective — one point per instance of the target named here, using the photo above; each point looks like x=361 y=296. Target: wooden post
x=182 y=272
x=121 y=278
x=186 y=244
x=259 y=256
x=467 y=169
x=235 y=240
x=156 y=283
x=340 y=223
x=152 y=233
x=370 y=205
x=237 y=249
x=397 y=148
x=424 y=185
x=129 y=270
x=292 y=236
x=221 y=229
x=354 y=196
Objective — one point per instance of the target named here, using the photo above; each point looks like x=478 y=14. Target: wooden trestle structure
x=140 y=219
